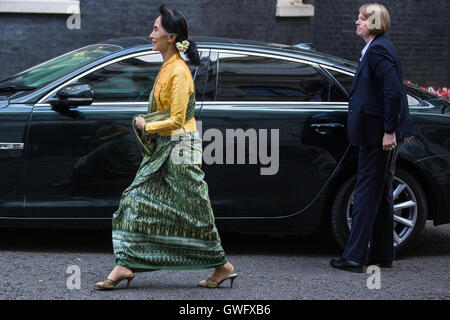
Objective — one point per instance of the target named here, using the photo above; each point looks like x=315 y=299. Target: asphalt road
x=34 y=265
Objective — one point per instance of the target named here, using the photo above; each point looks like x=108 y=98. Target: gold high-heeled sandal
x=109 y=284
x=210 y=283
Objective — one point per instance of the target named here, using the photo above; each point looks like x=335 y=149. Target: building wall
x=420 y=30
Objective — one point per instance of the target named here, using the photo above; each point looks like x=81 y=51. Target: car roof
x=230 y=43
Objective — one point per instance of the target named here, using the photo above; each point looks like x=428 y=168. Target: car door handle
x=327 y=125
x=326 y=128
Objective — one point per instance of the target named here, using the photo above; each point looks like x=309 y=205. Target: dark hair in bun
x=175 y=22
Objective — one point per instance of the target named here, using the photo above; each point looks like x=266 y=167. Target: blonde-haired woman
x=165 y=220
x=378 y=119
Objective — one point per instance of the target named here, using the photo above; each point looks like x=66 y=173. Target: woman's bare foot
x=117 y=273
x=219 y=273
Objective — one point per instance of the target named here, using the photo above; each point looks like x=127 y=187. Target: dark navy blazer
x=378 y=101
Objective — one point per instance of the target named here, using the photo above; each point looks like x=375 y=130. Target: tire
x=409 y=221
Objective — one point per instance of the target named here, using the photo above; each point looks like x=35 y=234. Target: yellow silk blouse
x=172 y=91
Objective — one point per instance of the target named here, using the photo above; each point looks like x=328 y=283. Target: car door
x=277 y=118
x=13 y=131
x=81 y=159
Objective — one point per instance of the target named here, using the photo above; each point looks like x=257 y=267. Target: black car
x=273 y=122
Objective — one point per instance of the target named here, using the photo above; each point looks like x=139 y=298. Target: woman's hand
x=389 y=141
x=140 y=123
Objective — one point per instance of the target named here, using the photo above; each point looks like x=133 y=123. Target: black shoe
x=382 y=264
x=347 y=265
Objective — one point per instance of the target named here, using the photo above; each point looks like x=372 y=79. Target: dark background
x=420 y=30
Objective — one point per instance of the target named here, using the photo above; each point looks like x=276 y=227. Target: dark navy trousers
x=371 y=236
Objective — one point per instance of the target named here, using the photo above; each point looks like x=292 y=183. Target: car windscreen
x=51 y=70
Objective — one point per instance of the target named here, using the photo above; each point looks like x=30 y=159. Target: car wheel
x=410 y=211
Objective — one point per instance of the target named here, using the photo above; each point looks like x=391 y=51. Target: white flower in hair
x=182 y=46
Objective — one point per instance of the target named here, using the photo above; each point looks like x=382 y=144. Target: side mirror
x=73 y=95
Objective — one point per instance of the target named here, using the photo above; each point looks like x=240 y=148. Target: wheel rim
x=405 y=211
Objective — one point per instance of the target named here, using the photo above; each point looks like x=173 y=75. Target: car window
x=336 y=94
x=129 y=80
x=200 y=74
x=255 y=78
x=412 y=101
x=209 y=93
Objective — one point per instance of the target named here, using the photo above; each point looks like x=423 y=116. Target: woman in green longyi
x=164 y=219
